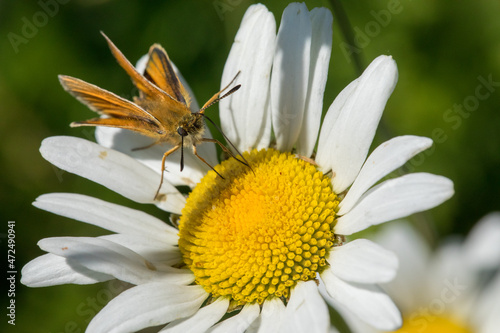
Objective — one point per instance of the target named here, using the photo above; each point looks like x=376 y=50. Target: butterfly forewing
x=103 y=101
x=146 y=87
x=160 y=71
x=137 y=125
x=123 y=113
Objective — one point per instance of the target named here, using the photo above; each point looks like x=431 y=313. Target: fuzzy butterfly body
x=161 y=111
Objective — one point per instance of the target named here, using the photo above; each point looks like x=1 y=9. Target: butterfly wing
x=151 y=96
x=160 y=71
x=121 y=112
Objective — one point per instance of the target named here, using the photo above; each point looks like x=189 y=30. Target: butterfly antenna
x=215 y=98
x=219 y=98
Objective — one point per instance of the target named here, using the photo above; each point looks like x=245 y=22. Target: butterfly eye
x=182 y=131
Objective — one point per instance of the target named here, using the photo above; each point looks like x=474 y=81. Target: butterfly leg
x=163 y=167
x=145 y=147
x=203 y=160
x=227 y=151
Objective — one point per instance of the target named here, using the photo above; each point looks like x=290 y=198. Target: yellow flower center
x=254 y=234
x=433 y=324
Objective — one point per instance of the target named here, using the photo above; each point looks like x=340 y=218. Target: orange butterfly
x=161 y=111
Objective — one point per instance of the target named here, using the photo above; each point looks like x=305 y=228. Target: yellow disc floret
x=433 y=324
x=257 y=232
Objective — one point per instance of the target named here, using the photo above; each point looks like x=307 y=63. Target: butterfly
x=160 y=111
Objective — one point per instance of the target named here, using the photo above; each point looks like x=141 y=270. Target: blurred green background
x=445 y=52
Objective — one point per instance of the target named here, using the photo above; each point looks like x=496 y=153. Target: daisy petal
x=413 y=252
x=290 y=74
x=354 y=128
x=485 y=315
x=104 y=256
x=202 y=320
x=326 y=135
x=482 y=246
x=365 y=301
x=383 y=160
x=147 y=305
x=52 y=270
x=245 y=115
x=396 y=198
x=127 y=142
x=363 y=261
x=238 y=323
x=321 y=48
x=111 y=169
x=271 y=317
x=306 y=311
x=164 y=256
x=106 y=215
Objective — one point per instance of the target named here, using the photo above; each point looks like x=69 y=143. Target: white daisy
x=450 y=289
x=258 y=240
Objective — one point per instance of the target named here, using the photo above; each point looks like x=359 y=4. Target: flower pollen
x=256 y=233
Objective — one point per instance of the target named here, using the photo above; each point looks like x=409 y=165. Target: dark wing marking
x=160 y=71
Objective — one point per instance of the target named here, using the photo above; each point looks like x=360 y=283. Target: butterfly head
x=191 y=128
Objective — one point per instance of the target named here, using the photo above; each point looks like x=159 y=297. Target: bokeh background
x=445 y=53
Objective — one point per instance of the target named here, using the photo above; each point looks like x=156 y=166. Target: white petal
x=306 y=311
x=271 y=317
x=383 y=160
x=413 y=252
x=52 y=270
x=110 y=168
x=106 y=215
x=104 y=256
x=321 y=48
x=163 y=256
x=126 y=141
x=396 y=198
x=488 y=307
x=202 y=320
x=290 y=75
x=245 y=115
x=363 y=261
x=239 y=322
x=482 y=246
x=447 y=276
x=326 y=135
x=352 y=134
x=367 y=302
x=140 y=65
x=147 y=305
